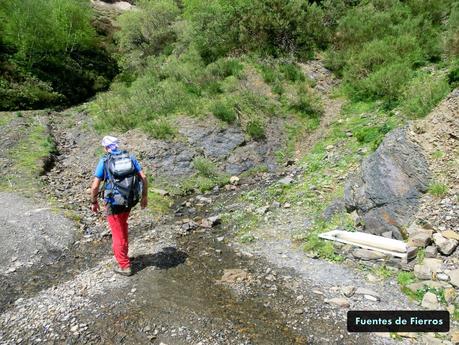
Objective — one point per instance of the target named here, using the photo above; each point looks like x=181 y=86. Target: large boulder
x=387 y=189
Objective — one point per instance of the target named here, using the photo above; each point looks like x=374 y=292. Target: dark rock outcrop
x=387 y=189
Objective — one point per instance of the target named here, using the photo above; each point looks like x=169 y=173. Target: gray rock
x=431 y=252
x=339 y=301
x=387 y=234
x=203 y=199
x=365 y=254
x=420 y=239
x=336 y=207
x=276 y=204
x=444 y=245
x=429 y=283
x=430 y=301
x=386 y=191
x=428 y=267
x=348 y=291
x=286 y=181
x=367 y=292
x=422 y=272
x=454 y=277
x=262 y=210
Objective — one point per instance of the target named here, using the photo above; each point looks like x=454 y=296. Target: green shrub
x=160 y=129
x=224 y=111
x=452 y=34
x=205 y=167
x=453 y=75
x=146 y=32
x=308 y=105
x=41 y=29
x=438 y=189
x=406 y=278
x=423 y=93
x=223 y=68
x=291 y=72
x=255 y=129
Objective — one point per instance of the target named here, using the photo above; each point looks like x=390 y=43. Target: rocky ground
x=195 y=283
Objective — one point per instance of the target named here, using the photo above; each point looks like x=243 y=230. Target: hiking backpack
x=125 y=185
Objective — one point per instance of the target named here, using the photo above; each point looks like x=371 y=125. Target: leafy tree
x=146 y=32
x=39 y=29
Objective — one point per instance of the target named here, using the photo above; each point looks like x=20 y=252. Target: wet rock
x=430 y=301
x=444 y=245
x=386 y=192
x=341 y=302
x=234 y=275
x=365 y=254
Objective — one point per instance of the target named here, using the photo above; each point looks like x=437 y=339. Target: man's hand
x=144 y=202
x=95 y=207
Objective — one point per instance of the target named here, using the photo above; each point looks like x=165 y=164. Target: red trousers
x=119 y=227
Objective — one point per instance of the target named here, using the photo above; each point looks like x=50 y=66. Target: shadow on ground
x=168 y=257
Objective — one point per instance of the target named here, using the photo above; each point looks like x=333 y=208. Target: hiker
x=124 y=184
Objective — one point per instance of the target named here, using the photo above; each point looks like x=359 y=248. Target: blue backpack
x=124 y=186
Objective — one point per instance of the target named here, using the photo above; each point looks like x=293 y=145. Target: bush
x=308 y=105
x=224 y=111
x=205 y=167
x=438 y=189
x=146 y=32
x=453 y=75
x=378 y=45
x=41 y=29
x=255 y=129
x=423 y=93
x=452 y=34
x=160 y=129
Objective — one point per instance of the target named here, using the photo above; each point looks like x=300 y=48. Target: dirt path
x=325 y=82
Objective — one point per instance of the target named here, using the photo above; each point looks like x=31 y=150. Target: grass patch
x=405 y=278
x=423 y=94
x=438 y=189
x=438 y=154
x=420 y=255
x=207 y=176
x=382 y=271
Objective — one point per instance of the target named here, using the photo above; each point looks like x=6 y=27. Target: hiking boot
x=123 y=271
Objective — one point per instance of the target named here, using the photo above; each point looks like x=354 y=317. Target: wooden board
x=372 y=242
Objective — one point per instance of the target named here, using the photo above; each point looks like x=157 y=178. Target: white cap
x=110 y=141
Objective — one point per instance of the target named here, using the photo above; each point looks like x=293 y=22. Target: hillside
x=260 y=126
